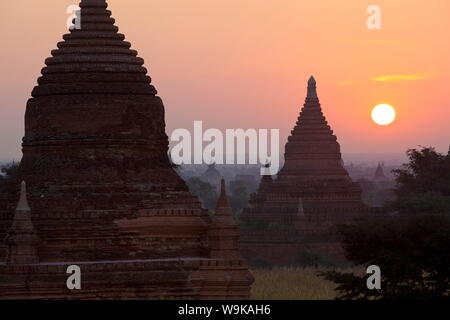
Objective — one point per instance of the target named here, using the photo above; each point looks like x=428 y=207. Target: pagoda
x=212 y=175
x=379 y=175
x=312 y=190
x=102 y=192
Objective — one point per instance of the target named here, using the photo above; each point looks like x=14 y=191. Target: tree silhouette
x=411 y=248
x=423 y=184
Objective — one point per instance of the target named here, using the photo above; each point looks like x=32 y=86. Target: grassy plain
x=289 y=283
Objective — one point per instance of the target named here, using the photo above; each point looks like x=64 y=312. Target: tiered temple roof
x=297 y=210
x=101 y=188
x=379 y=174
x=313 y=182
x=312 y=151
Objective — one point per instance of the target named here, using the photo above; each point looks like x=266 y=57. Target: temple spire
x=223 y=232
x=266 y=180
x=312 y=151
x=93 y=2
x=312 y=92
x=21 y=238
x=222 y=203
x=379 y=173
x=23 y=201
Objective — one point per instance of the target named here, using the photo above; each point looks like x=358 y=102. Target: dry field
x=291 y=284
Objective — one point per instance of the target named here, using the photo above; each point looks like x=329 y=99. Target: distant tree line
x=8 y=170
x=205 y=191
x=423 y=184
x=238 y=194
x=376 y=194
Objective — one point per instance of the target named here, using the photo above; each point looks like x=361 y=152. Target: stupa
x=312 y=190
x=101 y=190
x=379 y=175
x=212 y=175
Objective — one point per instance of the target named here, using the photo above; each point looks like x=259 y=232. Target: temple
x=212 y=176
x=311 y=192
x=101 y=192
x=379 y=175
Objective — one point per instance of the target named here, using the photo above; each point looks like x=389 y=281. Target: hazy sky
x=245 y=64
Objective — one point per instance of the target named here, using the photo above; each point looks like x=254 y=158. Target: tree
x=411 y=250
x=313 y=259
x=423 y=184
x=204 y=191
x=239 y=196
x=8 y=170
x=412 y=253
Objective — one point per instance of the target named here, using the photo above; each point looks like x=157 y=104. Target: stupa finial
x=23 y=202
x=223 y=232
x=379 y=172
x=312 y=92
x=223 y=198
x=102 y=2
x=21 y=238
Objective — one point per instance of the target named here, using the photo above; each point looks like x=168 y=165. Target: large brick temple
x=311 y=193
x=100 y=190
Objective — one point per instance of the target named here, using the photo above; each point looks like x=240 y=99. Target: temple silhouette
x=379 y=175
x=101 y=192
x=311 y=193
x=212 y=175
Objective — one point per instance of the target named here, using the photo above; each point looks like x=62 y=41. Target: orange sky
x=245 y=63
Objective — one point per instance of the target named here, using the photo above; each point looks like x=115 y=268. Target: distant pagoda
x=21 y=238
x=212 y=175
x=101 y=190
x=379 y=175
x=313 y=185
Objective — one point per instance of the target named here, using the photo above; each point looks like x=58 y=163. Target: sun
x=383 y=114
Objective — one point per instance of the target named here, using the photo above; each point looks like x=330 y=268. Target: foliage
x=411 y=248
x=259 y=263
x=204 y=191
x=412 y=253
x=423 y=184
x=376 y=194
x=9 y=170
x=239 y=196
x=428 y=202
x=278 y=226
x=313 y=259
x=254 y=224
x=366 y=185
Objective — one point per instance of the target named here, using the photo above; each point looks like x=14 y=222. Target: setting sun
x=383 y=114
